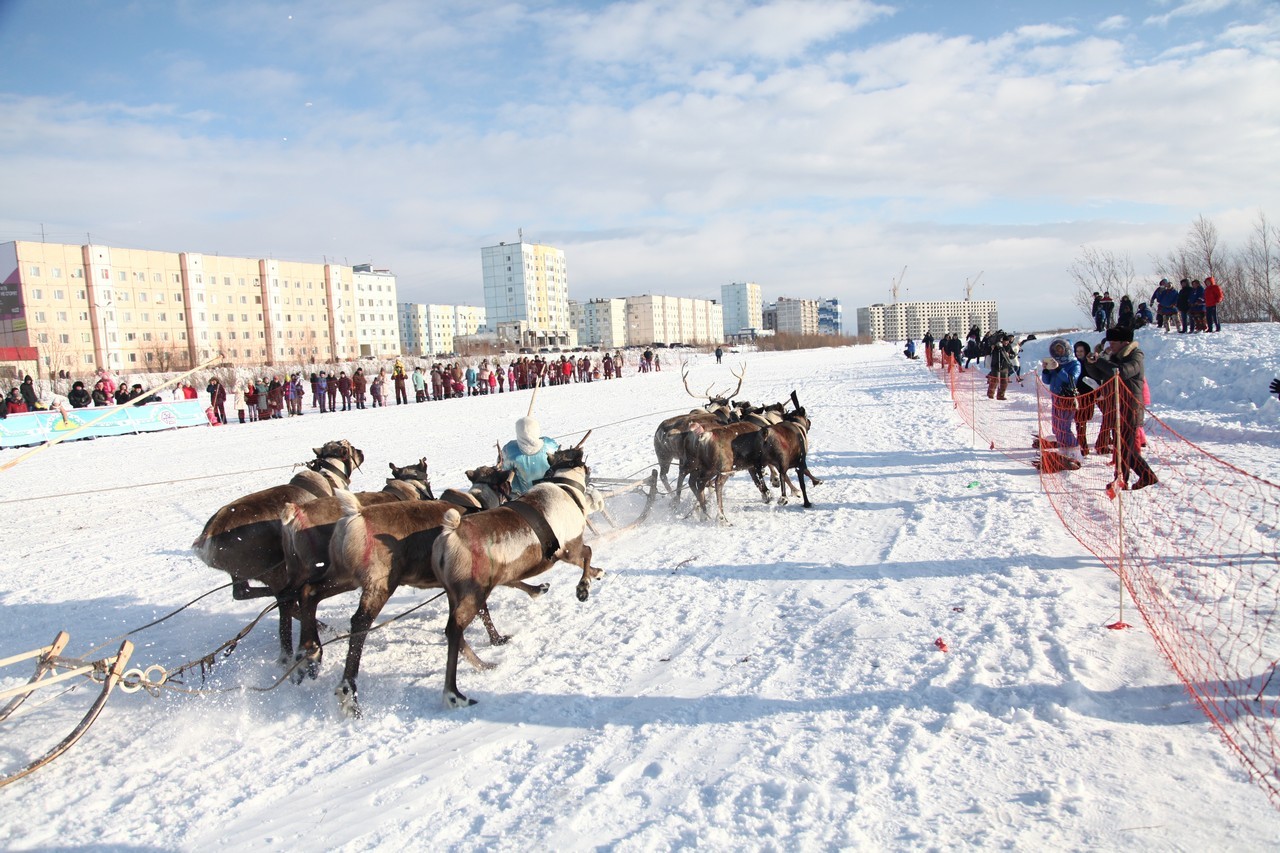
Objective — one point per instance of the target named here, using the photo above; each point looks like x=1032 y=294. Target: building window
x=121 y=275
x=66 y=339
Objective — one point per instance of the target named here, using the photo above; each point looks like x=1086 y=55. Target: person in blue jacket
x=527 y=455
x=1061 y=371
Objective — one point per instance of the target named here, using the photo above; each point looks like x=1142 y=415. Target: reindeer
x=380 y=548
x=306 y=528
x=709 y=458
x=669 y=436
x=243 y=537
x=505 y=546
x=780 y=447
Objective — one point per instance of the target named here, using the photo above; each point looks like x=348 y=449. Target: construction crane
x=897 y=283
x=970 y=284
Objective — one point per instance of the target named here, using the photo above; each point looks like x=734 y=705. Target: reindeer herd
x=311 y=538
x=710 y=443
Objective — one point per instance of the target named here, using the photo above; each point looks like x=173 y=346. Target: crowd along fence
x=1196 y=553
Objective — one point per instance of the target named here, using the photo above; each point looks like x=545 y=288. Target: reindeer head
x=341 y=450
x=416 y=472
x=493 y=477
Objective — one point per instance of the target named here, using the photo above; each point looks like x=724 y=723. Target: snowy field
x=774 y=684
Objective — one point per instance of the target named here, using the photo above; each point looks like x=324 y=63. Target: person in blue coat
x=527 y=455
x=1061 y=371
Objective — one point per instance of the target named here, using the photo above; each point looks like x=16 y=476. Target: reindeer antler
x=684 y=377
x=582 y=440
x=739 y=377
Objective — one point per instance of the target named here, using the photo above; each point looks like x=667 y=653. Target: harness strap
x=533 y=518
x=572 y=488
x=314 y=489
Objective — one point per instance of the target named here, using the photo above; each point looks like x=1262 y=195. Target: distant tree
x=1255 y=294
x=1103 y=271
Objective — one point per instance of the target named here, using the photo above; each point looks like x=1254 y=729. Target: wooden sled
x=614 y=488
x=110 y=670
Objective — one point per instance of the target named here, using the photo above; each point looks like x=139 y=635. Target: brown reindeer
x=243 y=537
x=781 y=447
x=668 y=438
x=710 y=460
x=507 y=545
x=381 y=548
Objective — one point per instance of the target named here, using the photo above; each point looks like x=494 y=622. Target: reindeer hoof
x=782 y=501
x=457 y=700
x=541 y=589
x=347 y=701
x=584 y=592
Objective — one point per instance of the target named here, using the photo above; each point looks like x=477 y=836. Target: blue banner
x=38 y=427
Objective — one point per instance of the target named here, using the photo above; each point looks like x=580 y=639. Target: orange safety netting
x=1197 y=551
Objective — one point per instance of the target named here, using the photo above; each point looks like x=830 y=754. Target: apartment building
x=742 y=308
x=902 y=320
x=526 y=288
x=428 y=329
x=672 y=319
x=84 y=307
x=796 y=316
x=377 y=326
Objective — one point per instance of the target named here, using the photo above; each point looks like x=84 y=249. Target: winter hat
x=528 y=435
x=1208 y=281
x=1121 y=334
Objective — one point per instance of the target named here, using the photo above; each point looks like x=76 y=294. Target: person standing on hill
x=1001 y=362
x=927 y=342
x=1212 y=298
x=1184 y=306
x=1130 y=410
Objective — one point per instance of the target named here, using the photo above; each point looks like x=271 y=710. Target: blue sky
x=815 y=147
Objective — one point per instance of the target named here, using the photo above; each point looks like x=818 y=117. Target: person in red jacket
x=1212 y=298
x=12 y=404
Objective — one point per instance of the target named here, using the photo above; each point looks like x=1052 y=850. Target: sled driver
x=527 y=455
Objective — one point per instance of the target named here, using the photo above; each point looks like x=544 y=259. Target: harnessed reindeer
x=668 y=438
x=507 y=545
x=243 y=537
x=378 y=549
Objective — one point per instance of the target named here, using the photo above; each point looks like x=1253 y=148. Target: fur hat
x=1121 y=334
x=528 y=435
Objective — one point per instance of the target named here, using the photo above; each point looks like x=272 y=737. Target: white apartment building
x=431 y=329
x=672 y=319
x=742 y=308
x=601 y=322
x=376 y=322
x=526 y=287
x=902 y=320
x=796 y=316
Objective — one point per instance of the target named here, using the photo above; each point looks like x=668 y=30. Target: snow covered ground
x=774 y=684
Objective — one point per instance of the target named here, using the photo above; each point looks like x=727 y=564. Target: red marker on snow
x=942 y=646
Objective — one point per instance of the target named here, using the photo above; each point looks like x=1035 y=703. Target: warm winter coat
x=78 y=396
x=1130 y=364
x=28 y=390
x=1212 y=293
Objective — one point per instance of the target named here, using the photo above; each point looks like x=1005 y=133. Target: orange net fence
x=1192 y=538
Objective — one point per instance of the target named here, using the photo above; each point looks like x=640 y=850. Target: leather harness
x=538 y=522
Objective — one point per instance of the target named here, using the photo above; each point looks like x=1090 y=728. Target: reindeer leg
x=589 y=572
x=804 y=492
x=495 y=639
x=530 y=589
x=720 y=481
x=309 y=648
x=757 y=477
x=287 y=605
x=372 y=600
x=462 y=610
